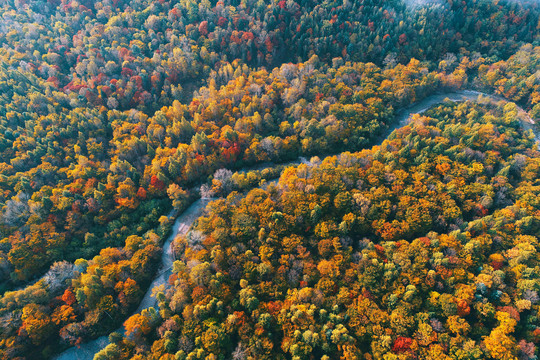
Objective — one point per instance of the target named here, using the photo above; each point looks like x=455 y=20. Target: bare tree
x=58 y=275
x=17 y=210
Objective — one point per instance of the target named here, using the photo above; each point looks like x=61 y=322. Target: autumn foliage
x=116 y=115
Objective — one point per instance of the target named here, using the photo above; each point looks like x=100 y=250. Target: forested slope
x=426 y=245
x=114 y=113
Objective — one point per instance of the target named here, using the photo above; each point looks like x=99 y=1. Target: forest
x=422 y=242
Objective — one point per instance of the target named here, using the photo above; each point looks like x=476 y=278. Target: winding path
x=183 y=223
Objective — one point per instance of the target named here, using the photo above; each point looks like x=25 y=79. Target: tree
x=178 y=196
x=36 y=324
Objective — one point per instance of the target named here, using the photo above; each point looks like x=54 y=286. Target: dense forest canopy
x=411 y=247
x=116 y=115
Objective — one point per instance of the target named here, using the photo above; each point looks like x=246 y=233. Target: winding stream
x=183 y=223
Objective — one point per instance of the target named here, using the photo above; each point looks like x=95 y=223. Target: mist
x=420 y=3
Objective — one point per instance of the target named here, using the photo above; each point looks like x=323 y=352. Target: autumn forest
x=279 y=179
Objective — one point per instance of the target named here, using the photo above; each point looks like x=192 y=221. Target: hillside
x=408 y=240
